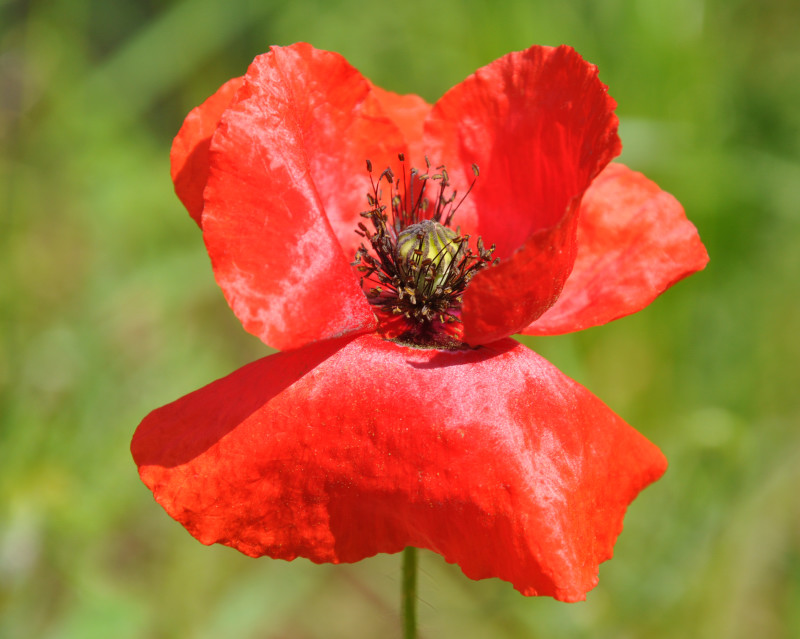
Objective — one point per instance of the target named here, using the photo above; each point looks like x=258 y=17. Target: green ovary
x=424 y=253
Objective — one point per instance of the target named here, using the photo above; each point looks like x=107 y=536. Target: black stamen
x=424 y=282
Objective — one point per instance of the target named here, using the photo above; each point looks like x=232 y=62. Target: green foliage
x=108 y=309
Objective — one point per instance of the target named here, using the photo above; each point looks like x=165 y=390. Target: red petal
x=540 y=125
x=189 y=154
x=340 y=450
x=288 y=176
x=634 y=242
x=408 y=112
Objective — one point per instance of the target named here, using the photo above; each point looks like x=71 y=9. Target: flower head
x=400 y=413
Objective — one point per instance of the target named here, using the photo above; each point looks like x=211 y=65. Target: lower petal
x=343 y=449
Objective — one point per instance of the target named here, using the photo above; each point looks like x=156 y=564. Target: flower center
x=415 y=267
x=424 y=253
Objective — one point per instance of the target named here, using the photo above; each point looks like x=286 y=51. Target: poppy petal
x=408 y=112
x=189 y=153
x=287 y=181
x=343 y=449
x=634 y=242
x=540 y=126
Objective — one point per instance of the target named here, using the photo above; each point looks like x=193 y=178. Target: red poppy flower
x=401 y=414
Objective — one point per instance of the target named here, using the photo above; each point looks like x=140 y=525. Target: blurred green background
x=109 y=309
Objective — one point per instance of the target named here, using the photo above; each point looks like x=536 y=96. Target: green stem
x=410 y=593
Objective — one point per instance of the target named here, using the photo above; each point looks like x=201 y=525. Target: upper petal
x=408 y=112
x=189 y=153
x=634 y=242
x=287 y=181
x=540 y=126
x=340 y=450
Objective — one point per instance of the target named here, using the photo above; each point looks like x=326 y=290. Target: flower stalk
x=409 y=588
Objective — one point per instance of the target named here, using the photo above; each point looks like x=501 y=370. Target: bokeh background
x=109 y=309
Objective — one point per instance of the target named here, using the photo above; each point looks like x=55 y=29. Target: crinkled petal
x=540 y=126
x=408 y=112
x=189 y=154
x=343 y=449
x=287 y=181
x=634 y=242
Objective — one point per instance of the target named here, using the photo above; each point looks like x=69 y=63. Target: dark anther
x=416 y=266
